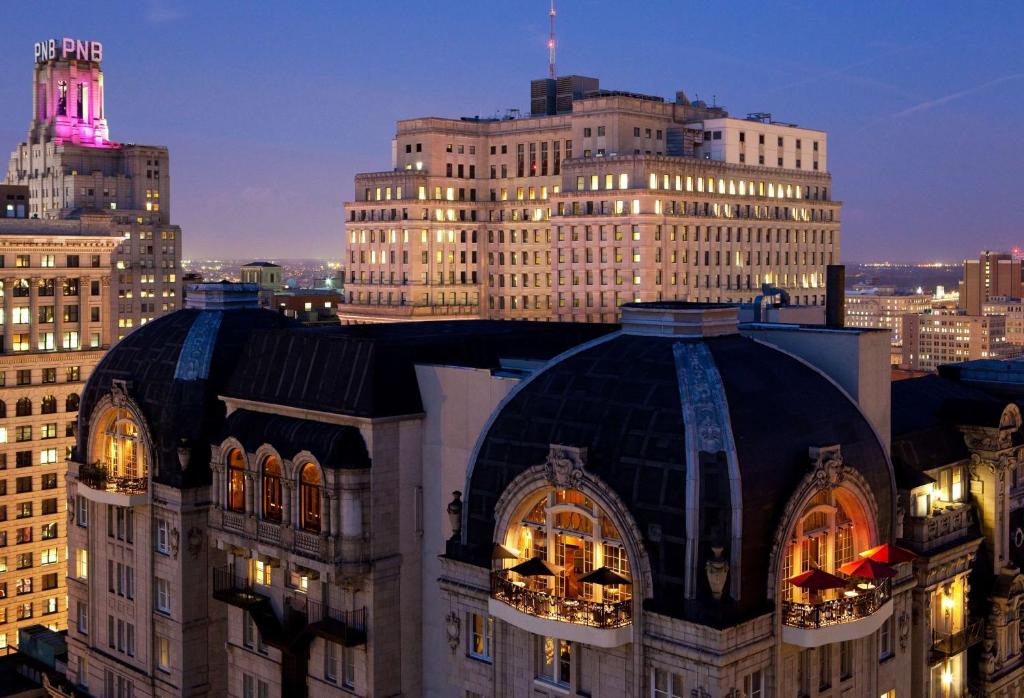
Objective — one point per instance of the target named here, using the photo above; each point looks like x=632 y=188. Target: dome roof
x=174 y=368
x=622 y=398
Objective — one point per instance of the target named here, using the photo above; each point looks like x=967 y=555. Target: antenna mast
x=551 y=43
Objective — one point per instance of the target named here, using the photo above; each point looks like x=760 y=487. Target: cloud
x=946 y=99
x=161 y=11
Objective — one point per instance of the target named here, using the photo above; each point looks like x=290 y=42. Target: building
x=942 y=337
x=56 y=290
x=72 y=168
x=1013 y=310
x=595 y=199
x=885 y=310
x=267 y=275
x=311 y=306
x=992 y=274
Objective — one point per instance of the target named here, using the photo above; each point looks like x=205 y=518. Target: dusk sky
x=269 y=109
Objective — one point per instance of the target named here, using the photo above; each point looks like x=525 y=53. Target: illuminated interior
x=120 y=448
x=568 y=529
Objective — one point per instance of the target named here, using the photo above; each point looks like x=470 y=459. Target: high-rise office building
x=71 y=168
x=878 y=310
x=56 y=322
x=596 y=198
x=992 y=274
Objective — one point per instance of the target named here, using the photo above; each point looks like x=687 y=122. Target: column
x=9 y=314
x=287 y=491
x=106 y=314
x=58 y=312
x=33 y=310
x=82 y=325
x=250 y=487
x=330 y=520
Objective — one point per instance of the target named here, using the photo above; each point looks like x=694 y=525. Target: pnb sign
x=67 y=50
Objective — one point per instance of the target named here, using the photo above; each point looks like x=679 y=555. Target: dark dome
x=174 y=368
x=621 y=400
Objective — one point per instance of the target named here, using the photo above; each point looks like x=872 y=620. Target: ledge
x=839 y=632
x=597 y=637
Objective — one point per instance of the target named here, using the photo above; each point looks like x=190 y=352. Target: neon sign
x=68 y=49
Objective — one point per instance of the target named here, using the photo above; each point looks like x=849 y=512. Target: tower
x=67 y=97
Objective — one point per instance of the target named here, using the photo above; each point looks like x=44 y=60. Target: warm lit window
x=121 y=445
x=309 y=497
x=480 y=636
x=236 y=481
x=666 y=684
x=554 y=660
x=272 y=489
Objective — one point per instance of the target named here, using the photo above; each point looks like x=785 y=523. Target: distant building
x=992 y=274
x=14 y=201
x=1013 y=310
x=595 y=199
x=267 y=275
x=73 y=171
x=885 y=310
x=940 y=337
x=309 y=306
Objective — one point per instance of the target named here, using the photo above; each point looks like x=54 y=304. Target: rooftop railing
x=845 y=609
x=99 y=477
x=596 y=614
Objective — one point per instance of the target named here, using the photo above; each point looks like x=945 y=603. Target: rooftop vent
x=222 y=295
x=680 y=319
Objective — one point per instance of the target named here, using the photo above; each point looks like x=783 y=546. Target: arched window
x=23 y=407
x=236 y=481
x=830 y=531
x=48 y=405
x=122 y=447
x=71 y=403
x=272 y=489
x=309 y=497
x=3 y=408
x=570 y=530
x=21 y=288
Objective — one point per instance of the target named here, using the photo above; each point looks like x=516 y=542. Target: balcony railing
x=950 y=644
x=235 y=589
x=346 y=627
x=944 y=525
x=99 y=477
x=845 y=609
x=595 y=614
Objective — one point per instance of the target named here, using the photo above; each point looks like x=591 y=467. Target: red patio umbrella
x=866 y=568
x=889 y=554
x=817 y=580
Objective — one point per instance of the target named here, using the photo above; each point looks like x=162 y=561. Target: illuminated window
x=554 y=660
x=309 y=497
x=236 y=481
x=272 y=489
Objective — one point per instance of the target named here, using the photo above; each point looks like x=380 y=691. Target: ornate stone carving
x=563 y=467
x=452 y=627
x=455 y=514
x=903 y=629
x=717 y=571
x=119 y=390
x=829 y=470
x=195 y=542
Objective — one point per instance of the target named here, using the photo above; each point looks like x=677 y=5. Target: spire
x=551 y=43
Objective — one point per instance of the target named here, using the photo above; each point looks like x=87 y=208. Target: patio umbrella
x=536 y=567
x=889 y=554
x=503 y=553
x=866 y=568
x=817 y=580
x=604 y=576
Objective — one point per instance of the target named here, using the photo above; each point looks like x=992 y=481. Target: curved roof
x=333 y=445
x=174 y=368
x=620 y=399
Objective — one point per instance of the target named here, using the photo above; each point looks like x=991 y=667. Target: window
x=309 y=497
x=83 y=617
x=480 y=636
x=554 y=660
x=824 y=667
x=261 y=573
x=272 y=489
x=120 y=444
x=885 y=644
x=753 y=685
x=236 y=481
x=254 y=688
x=71 y=403
x=163 y=537
x=82 y=508
x=163 y=595
x=665 y=684
x=163 y=654
x=23 y=408
x=82 y=563
x=845 y=660
x=332 y=653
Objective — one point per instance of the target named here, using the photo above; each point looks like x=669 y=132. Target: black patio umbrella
x=604 y=576
x=503 y=553
x=536 y=567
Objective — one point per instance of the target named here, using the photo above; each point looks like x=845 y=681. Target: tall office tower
x=595 y=199
x=55 y=289
x=72 y=167
x=992 y=274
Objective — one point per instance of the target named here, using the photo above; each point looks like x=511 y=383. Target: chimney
x=835 y=295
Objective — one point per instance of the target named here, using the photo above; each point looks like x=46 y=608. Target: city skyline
x=893 y=87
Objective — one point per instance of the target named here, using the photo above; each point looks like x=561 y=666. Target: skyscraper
x=992 y=274
x=597 y=198
x=71 y=168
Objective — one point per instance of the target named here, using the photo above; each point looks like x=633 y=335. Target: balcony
x=346 y=627
x=851 y=616
x=948 y=523
x=105 y=488
x=950 y=644
x=598 y=623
